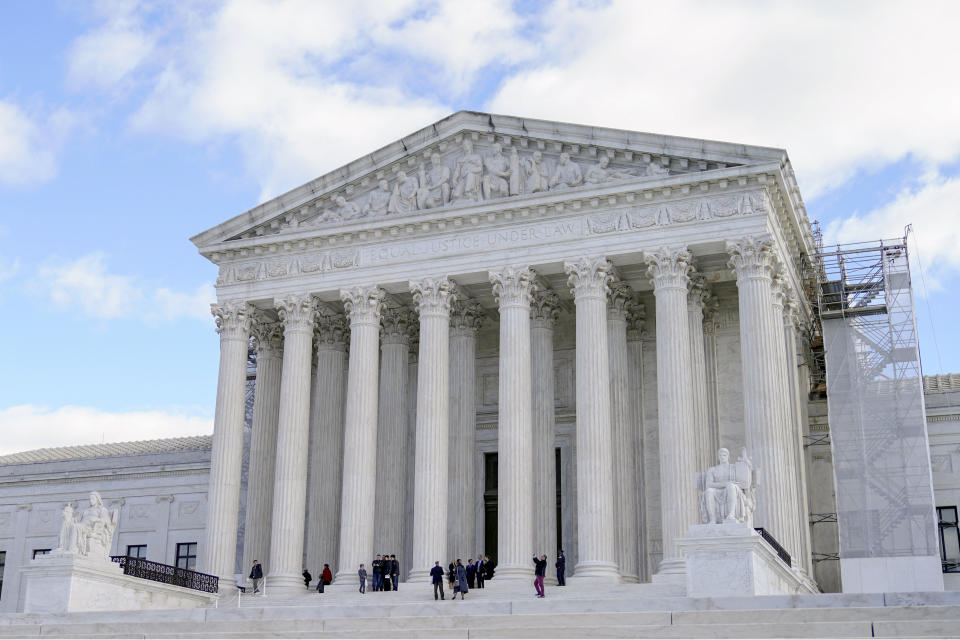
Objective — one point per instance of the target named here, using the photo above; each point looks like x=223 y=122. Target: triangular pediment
x=471 y=158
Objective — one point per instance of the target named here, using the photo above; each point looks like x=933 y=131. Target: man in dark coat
x=394 y=571
x=436 y=577
x=561 y=569
x=481 y=571
x=307 y=578
x=471 y=572
x=256 y=574
x=377 y=568
x=541 y=569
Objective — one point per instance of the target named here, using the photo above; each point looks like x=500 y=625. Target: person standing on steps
x=377 y=568
x=394 y=572
x=460 y=583
x=436 y=576
x=256 y=574
x=306 y=579
x=561 y=569
x=363 y=578
x=327 y=575
x=481 y=571
x=471 y=572
x=540 y=570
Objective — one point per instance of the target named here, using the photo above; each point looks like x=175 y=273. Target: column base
x=506 y=573
x=606 y=572
x=284 y=585
x=422 y=575
x=671 y=571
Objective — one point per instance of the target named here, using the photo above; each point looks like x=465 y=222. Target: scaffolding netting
x=878 y=429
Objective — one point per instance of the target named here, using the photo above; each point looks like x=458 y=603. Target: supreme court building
x=510 y=336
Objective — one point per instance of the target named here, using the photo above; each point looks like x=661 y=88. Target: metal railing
x=167 y=574
x=773 y=543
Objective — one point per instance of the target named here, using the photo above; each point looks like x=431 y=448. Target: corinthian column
x=391 y=453
x=513 y=287
x=466 y=317
x=752 y=259
x=669 y=269
x=358 y=501
x=219 y=552
x=432 y=297
x=636 y=319
x=263 y=442
x=596 y=521
x=326 y=443
x=623 y=425
x=543 y=317
x=795 y=428
x=697 y=296
x=293 y=436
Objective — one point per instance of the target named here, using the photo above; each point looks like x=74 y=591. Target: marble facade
x=653 y=276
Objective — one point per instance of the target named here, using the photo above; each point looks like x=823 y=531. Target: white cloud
x=934 y=211
x=30 y=143
x=107 y=55
x=27 y=427
x=87 y=285
x=841 y=86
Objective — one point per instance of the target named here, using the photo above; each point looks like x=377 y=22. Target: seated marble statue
x=728 y=491
x=92 y=534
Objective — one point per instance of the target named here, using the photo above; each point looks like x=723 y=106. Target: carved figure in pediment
x=567 y=173
x=727 y=490
x=515 y=175
x=467 y=176
x=378 y=200
x=404 y=198
x=601 y=172
x=343 y=210
x=655 y=169
x=434 y=184
x=496 y=182
x=537 y=176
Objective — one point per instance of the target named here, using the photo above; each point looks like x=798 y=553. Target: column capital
x=233 y=318
x=395 y=325
x=267 y=334
x=466 y=315
x=433 y=296
x=331 y=331
x=589 y=277
x=513 y=286
x=636 y=322
x=363 y=304
x=545 y=308
x=620 y=300
x=779 y=292
x=751 y=257
x=297 y=312
x=698 y=295
x=668 y=268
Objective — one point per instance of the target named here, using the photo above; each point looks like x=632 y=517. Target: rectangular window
x=187 y=555
x=3 y=563
x=40 y=552
x=949 y=539
x=137 y=551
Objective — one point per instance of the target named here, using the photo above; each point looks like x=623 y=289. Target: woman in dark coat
x=460 y=586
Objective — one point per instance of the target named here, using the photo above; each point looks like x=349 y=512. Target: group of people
x=460 y=577
x=386 y=574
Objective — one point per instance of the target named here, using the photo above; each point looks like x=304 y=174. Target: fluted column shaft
x=669 y=269
x=752 y=260
x=635 y=329
x=358 y=501
x=513 y=288
x=786 y=478
x=544 y=312
x=219 y=552
x=297 y=315
x=326 y=444
x=623 y=425
x=263 y=444
x=391 y=454
x=706 y=454
x=465 y=319
x=710 y=364
x=795 y=429
x=596 y=520
x=432 y=297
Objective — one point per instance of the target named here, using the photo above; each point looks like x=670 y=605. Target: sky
x=128 y=127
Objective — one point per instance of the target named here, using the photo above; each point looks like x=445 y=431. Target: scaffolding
x=864 y=359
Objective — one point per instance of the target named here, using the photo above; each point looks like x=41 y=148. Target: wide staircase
x=499 y=611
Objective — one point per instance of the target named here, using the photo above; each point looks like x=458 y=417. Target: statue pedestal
x=731 y=559
x=63 y=582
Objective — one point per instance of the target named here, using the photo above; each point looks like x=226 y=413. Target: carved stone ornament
x=752 y=257
x=466 y=315
x=267 y=334
x=233 y=319
x=432 y=296
x=589 y=277
x=331 y=331
x=363 y=304
x=727 y=490
x=395 y=325
x=636 y=322
x=698 y=294
x=620 y=300
x=545 y=307
x=297 y=312
x=89 y=535
x=669 y=268
x=513 y=286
